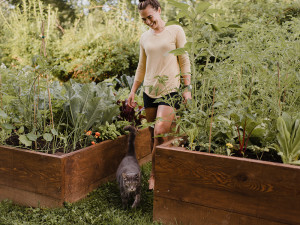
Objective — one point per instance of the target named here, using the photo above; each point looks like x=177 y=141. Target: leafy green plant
x=245 y=124
x=288 y=138
x=88 y=104
x=107 y=131
x=126 y=81
x=243 y=68
x=5 y=126
x=132 y=115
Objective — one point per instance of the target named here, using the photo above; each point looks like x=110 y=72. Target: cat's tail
x=131 y=148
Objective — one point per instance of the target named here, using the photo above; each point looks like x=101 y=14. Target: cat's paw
x=134 y=205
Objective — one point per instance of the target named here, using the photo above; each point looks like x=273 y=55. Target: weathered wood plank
x=35 y=176
x=86 y=170
x=192 y=214
x=28 y=171
x=142 y=144
x=258 y=189
x=28 y=198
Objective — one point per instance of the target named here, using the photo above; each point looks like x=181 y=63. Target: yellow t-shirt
x=157 y=64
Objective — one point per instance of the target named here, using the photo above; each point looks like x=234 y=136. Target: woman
x=157 y=64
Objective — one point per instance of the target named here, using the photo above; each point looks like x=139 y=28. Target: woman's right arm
x=139 y=76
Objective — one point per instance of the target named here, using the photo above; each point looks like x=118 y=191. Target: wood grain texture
x=31 y=172
x=28 y=198
x=253 y=188
x=169 y=211
x=33 y=178
x=87 y=168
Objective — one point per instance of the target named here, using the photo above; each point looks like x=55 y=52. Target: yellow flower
x=229 y=145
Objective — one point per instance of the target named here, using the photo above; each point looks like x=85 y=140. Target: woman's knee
x=161 y=128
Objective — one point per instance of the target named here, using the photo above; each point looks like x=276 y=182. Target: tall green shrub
x=21 y=32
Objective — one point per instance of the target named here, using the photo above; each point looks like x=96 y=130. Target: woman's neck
x=160 y=28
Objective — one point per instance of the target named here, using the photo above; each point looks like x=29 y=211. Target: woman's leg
x=150 y=117
x=166 y=115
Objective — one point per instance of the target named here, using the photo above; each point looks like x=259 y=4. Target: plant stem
x=244 y=136
x=1 y=91
x=50 y=105
x=278 y=74
x=238 y=130
x=211 y=121
x=248 y=138
x=43 y=49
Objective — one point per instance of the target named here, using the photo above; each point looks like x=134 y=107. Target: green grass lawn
x=102 y=206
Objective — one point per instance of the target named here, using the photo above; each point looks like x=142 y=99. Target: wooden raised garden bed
x=201 y=188
x=38 y=179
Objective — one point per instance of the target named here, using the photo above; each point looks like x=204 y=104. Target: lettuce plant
x=288 y=138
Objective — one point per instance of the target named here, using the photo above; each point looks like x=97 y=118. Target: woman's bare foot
x=151 y=182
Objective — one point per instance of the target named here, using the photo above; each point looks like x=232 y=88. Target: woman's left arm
x=184 y=63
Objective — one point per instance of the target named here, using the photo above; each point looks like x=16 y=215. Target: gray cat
x=129 y=173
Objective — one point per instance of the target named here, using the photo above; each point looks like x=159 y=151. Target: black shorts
x=149 y=102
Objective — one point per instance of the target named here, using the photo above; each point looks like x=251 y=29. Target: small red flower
x=97 y=134
x=93 y=143
x=89 y=132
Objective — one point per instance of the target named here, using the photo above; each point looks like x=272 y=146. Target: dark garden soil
x=270 y=156
x=42 y=146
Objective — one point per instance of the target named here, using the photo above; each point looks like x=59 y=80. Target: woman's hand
x=131 y=101
x=187 y=95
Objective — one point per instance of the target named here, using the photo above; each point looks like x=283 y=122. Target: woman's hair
x=144 y=3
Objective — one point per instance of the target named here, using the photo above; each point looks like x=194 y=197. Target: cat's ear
x=124 y=176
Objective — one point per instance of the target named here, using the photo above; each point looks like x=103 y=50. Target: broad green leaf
x=211 y=11
x=24 y=140
x=184 y=13
x=214 y=27
x=202 y=45
x=284 y=136
x=178 y=51
x=3 y=115
x=217 y=104
x=173 y=22
x=47 y=136
x=288 y=121
x=31 y=136
x=179 y=5
x=54 y=132
x=251 y=125
x=258 y=132
x=202 y=6
x=295 y=128
x=188 y=45
x=8 y=126
x=236 y=118
x=295 y=137
x=223 y=24
x=295 y=162
x=21 y=130
x=250 y=116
